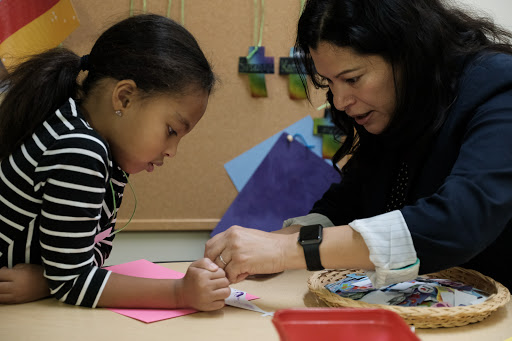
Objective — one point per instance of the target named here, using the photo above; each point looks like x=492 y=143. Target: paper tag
x=238 y=299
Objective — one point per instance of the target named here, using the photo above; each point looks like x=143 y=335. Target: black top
x=459 y=205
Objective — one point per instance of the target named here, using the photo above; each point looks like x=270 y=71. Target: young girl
x=65 y=150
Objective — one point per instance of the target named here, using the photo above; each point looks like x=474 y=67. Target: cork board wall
x=192 y=190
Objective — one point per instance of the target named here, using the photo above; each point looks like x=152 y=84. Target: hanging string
x=326 y=105
x=257 y=41
x=144 y=7
x=169 y=5
x=115 y=205
x=256 y=20
x=169 y=8
x=300 y=137
x=183 y=12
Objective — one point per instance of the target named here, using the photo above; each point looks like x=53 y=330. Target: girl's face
x=362 y=86
x=150 y=129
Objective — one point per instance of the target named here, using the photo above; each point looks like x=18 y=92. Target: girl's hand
x=23 y=283
x=204 y=287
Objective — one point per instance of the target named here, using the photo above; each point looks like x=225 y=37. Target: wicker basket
x=422 y=317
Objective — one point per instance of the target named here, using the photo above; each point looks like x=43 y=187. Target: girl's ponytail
x=35 y=88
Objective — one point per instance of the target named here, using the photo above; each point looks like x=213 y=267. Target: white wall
x=500 y=10
x=158 y=246
x=185 y=246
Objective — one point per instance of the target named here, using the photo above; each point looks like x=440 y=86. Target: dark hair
x=424 y=41
x=157 y=53
x=3 y=71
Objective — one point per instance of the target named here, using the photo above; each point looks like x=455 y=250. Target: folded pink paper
x=147 y=269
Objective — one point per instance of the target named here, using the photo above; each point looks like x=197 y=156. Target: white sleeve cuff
x=310 y=219
x=391 y=248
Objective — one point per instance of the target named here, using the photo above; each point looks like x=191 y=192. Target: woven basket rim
x=422 y=317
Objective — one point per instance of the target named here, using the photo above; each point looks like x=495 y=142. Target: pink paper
x=102 y=235
x=146 y=269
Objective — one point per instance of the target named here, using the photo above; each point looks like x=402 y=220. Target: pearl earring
x=119 y=113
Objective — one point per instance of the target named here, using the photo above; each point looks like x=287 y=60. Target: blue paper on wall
x=241 y=168
x=286 y=184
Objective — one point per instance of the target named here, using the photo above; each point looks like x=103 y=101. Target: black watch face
x=310 y=233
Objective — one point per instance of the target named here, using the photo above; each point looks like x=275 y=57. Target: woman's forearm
x=341 y=248
x=288 y=230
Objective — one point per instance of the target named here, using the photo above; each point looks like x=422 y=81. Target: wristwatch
x=310 y=237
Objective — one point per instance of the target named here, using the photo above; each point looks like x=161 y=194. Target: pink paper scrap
x=147 y=269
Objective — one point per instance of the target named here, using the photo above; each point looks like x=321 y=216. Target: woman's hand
x=204 y=287
x=23 y=283
x=247 y=251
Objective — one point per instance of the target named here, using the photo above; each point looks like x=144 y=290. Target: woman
x=422 y=92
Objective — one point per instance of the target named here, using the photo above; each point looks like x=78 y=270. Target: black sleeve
x=474 y=204
x=342 y=201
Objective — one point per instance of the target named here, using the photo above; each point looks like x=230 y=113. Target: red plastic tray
x=341 y=324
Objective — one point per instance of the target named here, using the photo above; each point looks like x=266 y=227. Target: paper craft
x=289 y=180
x=325 y=128
x=293 y=67
x=448 y=297
x=241 y=168
x=239 y=299
x=421 y=292
x=147 y=269
x=256 y=67
x=378 y=297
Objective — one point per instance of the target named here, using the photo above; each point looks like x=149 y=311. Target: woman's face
x=362 y=85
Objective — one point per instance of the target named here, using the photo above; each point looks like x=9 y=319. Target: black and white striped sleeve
x=72 y=176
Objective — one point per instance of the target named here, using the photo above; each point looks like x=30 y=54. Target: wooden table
x=51 y=320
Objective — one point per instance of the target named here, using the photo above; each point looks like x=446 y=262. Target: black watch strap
x=312 y=255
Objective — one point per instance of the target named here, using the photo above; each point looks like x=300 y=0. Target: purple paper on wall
x=289 y=180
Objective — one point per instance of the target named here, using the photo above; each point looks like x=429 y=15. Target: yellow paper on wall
x=33 y=26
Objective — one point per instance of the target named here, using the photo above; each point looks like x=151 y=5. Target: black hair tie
x=84 y=62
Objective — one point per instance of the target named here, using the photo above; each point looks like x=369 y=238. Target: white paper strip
x=238 y=299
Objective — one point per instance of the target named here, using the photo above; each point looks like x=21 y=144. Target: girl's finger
x=221 y=294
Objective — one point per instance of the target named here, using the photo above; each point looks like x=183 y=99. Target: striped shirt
x=55 y=198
